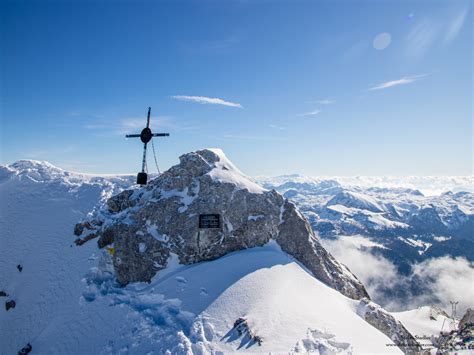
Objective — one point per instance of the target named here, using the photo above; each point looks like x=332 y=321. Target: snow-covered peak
x=213 y=162
x=30 y=164
x=40 y=171
x=37 y=170
x=206 y=183
x=356 y=200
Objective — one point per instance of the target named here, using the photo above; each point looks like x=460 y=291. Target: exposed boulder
x=149 y=225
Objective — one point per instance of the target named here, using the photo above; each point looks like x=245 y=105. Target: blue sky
x=310 y=87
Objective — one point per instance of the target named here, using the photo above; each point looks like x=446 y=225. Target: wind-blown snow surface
x=68 y=302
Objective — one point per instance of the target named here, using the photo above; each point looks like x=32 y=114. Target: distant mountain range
x=400 y=223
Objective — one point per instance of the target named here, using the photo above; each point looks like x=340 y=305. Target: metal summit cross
x=145 y=136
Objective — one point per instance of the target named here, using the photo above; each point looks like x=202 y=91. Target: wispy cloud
x=206 y=100
x=403 y=81
x=429 y=31
x=276 y=127
x=421 y=38
x=326 y=102
x=311 y=113
x=456 y=24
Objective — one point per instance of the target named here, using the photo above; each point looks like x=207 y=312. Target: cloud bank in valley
x=441 y=279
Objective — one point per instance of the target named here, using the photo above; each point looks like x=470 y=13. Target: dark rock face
x=387 y=324
x=148 y=226
x=467 y=319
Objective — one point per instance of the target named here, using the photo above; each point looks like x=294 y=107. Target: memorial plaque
x=209 y=221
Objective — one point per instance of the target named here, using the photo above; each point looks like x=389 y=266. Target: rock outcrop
x=467 y=319
x=460 y=339
x=150 y=225
x=387 y=324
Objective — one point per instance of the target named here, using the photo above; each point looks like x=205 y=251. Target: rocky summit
x=166 y=221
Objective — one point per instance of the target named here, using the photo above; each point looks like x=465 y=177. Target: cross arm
x=161 y=134
x=132 y=136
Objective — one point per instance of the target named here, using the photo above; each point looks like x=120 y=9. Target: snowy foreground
x=67 y=300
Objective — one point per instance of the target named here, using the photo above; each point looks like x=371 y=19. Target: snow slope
x=39 y=205
x=425 y=322
x=282 y=303
x=67 y=300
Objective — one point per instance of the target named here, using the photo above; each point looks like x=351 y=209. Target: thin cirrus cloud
x=429 y=31
x=456 y=24
x=403 y=81
x=326 y=102
x=311 y=113
x=206 y=100
x=421 y=38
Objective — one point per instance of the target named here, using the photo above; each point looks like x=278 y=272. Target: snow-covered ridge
x=43 y=171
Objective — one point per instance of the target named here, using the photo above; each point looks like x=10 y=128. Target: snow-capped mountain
x=273 y=295
x=406 y=225
x=420 y=247
x=147 y=226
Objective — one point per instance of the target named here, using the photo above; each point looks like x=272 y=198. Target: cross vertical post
x=146 y=136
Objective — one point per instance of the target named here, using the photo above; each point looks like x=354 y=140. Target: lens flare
x=382 y=41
